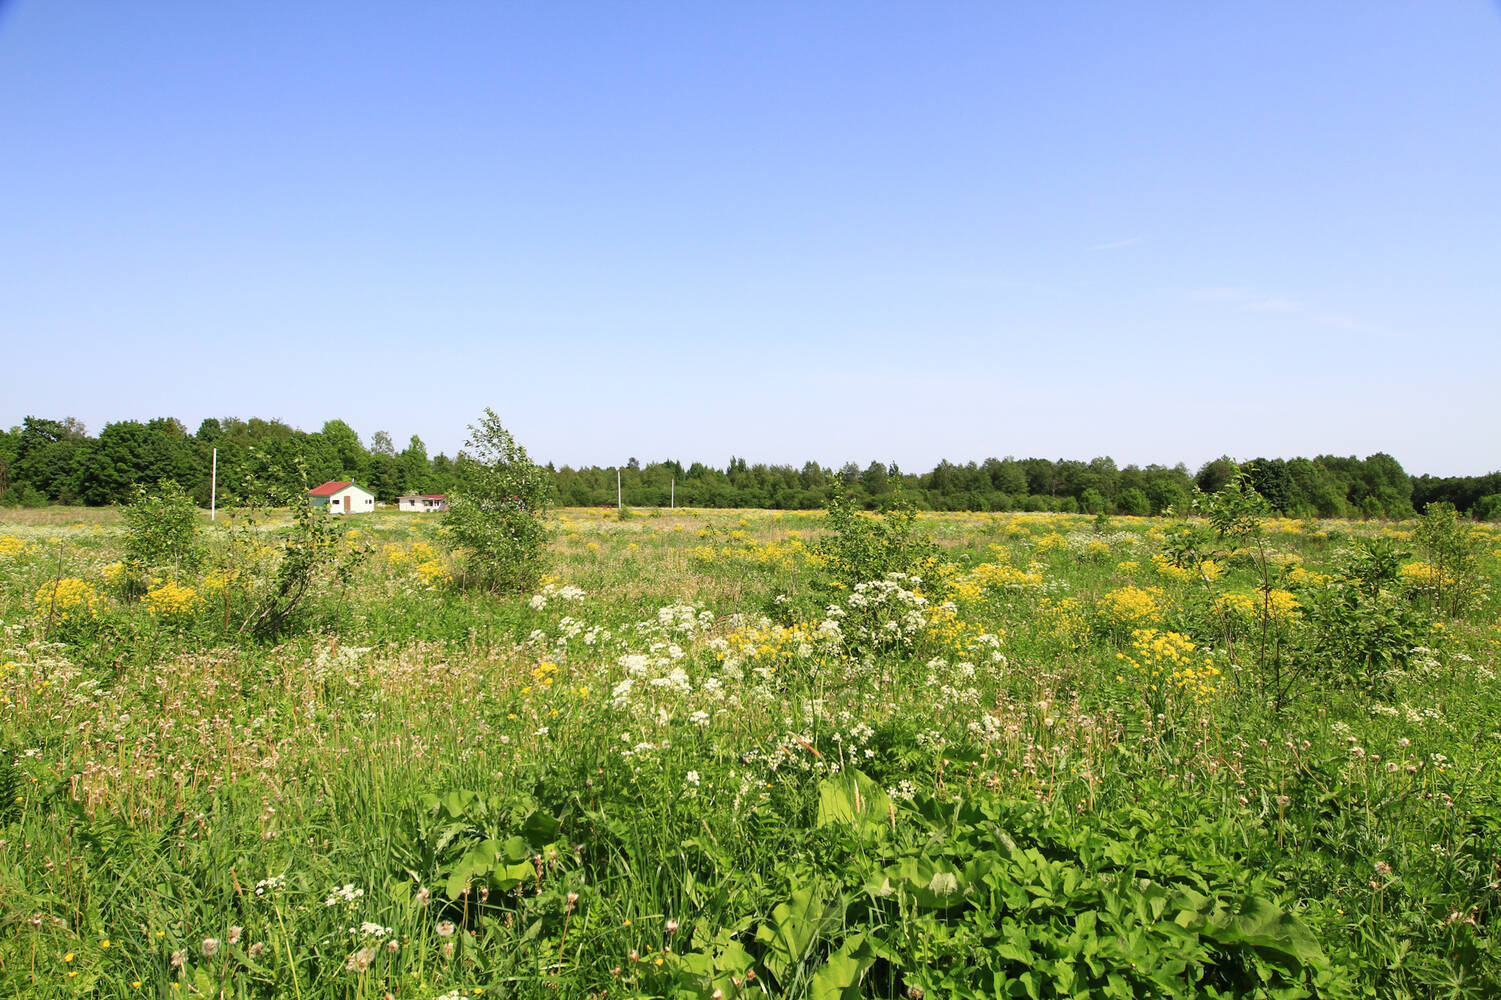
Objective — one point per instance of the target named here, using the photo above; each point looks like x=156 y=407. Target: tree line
x=46 y=461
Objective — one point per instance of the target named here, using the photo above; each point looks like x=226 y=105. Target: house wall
x=421 y=505
x=360 y=502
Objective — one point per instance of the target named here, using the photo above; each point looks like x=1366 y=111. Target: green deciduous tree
x=863 y=547
x=161 y=528
x=494 y=517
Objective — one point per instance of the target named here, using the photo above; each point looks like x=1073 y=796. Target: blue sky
x=786 y=231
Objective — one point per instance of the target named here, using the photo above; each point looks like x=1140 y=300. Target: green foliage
x=1452 y=550
x=494 y=517
x=162 y=530
x=467 y=842
x=1487 y=508
x=1236 y=513
x=11 y=796
x=310 y=560
x=982 y=897
x=1358 y=637
x=1373 y=564
x=46 y=461
x=1135 y=502
x=862 y=547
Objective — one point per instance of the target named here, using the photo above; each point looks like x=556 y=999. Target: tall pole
x=673 y=493
x=213 y=487
x=619 y=503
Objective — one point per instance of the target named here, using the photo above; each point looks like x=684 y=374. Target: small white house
x=422 y=503
x=342 y=498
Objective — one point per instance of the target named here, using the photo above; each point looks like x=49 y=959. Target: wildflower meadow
x=722 y=754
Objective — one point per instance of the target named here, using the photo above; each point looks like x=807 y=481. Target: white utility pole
x=213 y=486
x=673 y=493
x=619 y=503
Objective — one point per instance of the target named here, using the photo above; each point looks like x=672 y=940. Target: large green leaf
x=839 y=977
x=852 y=799
x=1252 y=921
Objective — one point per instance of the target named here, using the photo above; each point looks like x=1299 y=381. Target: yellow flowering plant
x=68 y=602
x=1130 y=607
x=1169 y=672
x=172 y=602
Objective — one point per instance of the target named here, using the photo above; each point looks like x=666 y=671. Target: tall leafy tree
x=415 y=471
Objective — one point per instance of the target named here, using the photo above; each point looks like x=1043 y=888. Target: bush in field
x=161 y=528
x=1452 y=552
x=495 y=516
x=308 y=561
x=862 y=547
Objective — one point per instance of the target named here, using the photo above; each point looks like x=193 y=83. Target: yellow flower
x=433 y=573
x=1166 y=567
x=172 y=600
x=219 y=580
x=1132 y=606
x=1277 y=605
x=1052 y=540
x=69 y=599
x=1300 y=577
x=1168 y=664
x=1423 y=576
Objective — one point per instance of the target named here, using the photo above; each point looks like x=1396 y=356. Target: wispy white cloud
x=1117 y=244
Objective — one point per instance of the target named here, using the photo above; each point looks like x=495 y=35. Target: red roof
x=328 y=489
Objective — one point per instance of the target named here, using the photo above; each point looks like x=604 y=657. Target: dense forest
x=56 y=461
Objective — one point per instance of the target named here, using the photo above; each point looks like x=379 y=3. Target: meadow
x=1052 y=756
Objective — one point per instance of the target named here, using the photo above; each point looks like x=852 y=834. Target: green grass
x=982 y=798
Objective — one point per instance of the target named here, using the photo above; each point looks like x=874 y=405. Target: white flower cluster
x=275 y=883
x=370 y=929
x=552 y=592
x=889 y=613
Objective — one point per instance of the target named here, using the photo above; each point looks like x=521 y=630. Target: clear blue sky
x=786 y=231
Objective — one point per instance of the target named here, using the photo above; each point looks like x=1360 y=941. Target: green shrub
x=308 y=559
x=1454 y=553
x=1134 y=501
x=494 y=516
x=1487 y=508
x=861 y=547
x=161 y=528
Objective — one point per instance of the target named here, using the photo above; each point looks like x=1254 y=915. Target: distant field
x=1063 y=756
